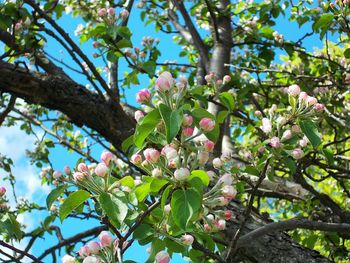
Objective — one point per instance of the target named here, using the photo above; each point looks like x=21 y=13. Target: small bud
x=226 y=179
x=275 y=142
x=296 y=128
x=287 y=135
x=143 y=96
x=67 y=170
x=91 y=259
x=217 y=163
x=226 y=79
x=111 y=11
x=151 y=155
x=78 y=176
x=297 y=153
x=162 y=257
x=84 y=251
x=102 y=12
x=57 y=175
x=258 y=114
x=106 y=157
x=266 y=125
x=187 y=120
x=82 y=167
x=136 y=159
x=211 y=175
x=167 y=209
x=156 y=172
x=94 y=247
x=228 y=214
x=68 y=259
x=311 y=101
x=181 y=174
x=228 y=191
x=105 y=239
x=203 y=157
x=187 y=131
x=101 y=170
x=138 y=116
x=220 y=224
x=207 y=124
x=303 y=96
x=124 y=14
x=319 y=107
x=294 y=90
x=187 y=239
x=164 y=82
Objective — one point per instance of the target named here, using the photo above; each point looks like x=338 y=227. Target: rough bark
x=79 y=104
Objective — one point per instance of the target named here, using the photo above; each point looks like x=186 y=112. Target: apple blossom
x=275 y=142
x=111 y=11
x=151 y=155
x=91 y=259
x=164 y=82
x=67 y=170
x=287 y=134
x=101 y=170
x=220 y=224
x=217 y=163
x=84 y=251
x=266 y=125
x=203 y=157
x=167 y=209
x=143 y=96
x=297 y=153
x=102 y=12
x=136 y=159
x=181 y=174
x=208 y=146
x=294 y=90
x=319 y=107
x=281 y=121
x=211 y=174
x=106 y=157
x=124 y=13
x=207 y=124
x=138 y=115
x=94 y=247
x=105 y=239
x=82 y=167
x=187 y=239
x=226 y=179
x=311 y=101
x=57 y=175
x=78 y=176
x=228 y=191
x=2 y=191
x=187 y=120
x=303 y=96
x=187 y=131
x=226 y=79
x=68 y=259
x=156 y=172
x=162 y=257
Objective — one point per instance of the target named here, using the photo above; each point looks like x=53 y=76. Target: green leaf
x=115 y=208
x=147 y=125
x=124 y=32
x=127 y=181
x=53 y=195
x=347 y=53
x=124 y=43
x=311 y=131
x=202 y=175
x=113 y=56
x=142 y=191
x=149 y=67
x=172 y=121
x=127 y=143
x=227 y=100
x=323 y=23
x=10 y=225
x=185 y=204
x=143 y=231
x=157 y=184
x=165 y=196
x=72 y=202
x=200 y=113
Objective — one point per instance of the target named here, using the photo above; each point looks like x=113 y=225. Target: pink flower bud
x=311 y=101
x=294 y=90
x=228 y=191
x=266 y=125
x=111 y=11
x=187 y=131
x=187 y=239
x=105 y=239
x=187 y=120
x=226 y=179
x=303 y=96
x=106 y=157
x=138 y=116
x=164 y=82
x=287 y=135
x=221 y=201
x=217 y=163
x=281 y=120
x=169 y=151
x=101 y=170
x=207 y=124
x=297 y=153
x=209 y=146
x=173 y=163
x=95 y=44
x=220 y=224
x=68 y=259
x=2 y=191
x=203 y=157
x=211 y=175
x=228 y=214
x=78 y=176
x=226 y=79
x=258 y=114
x=57 y=175
x=303 y=143
x=82 y=167
x=84 y=251
x=94 y=247
x=296 y=128
x=67 y=170
x=136 y=159
x=156 y=172
x=275 y=142
x=162 y=257
x=102 y=12
x=124 y=14
x=207 y=228
x=143 y=96
x=151 y=155
x=181 y=174
x=319 y=107
x=91 y=259
x=219 y=82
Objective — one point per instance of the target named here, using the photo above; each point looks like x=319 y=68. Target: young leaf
x=172 y=120
x=202 y=175
x=143 y=129
x=53 y=195
x=72 y=202
x=115 y=208
x=184 y=204
x=311 y=132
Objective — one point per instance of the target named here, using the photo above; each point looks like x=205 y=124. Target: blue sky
x=11 y=138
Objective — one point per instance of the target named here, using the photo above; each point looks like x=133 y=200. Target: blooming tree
x=232 y=156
